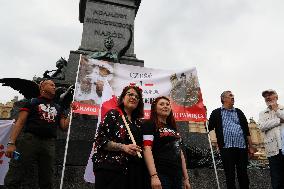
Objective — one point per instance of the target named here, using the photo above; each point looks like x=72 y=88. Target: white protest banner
x=5 y=129
x=181 y=86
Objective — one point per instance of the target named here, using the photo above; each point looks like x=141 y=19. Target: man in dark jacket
x=233 y=138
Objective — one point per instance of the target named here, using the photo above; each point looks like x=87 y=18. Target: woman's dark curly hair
x=138 y=112
x=154 y=116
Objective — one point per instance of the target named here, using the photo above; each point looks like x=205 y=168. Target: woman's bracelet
x=11 y=144
x=155 y=174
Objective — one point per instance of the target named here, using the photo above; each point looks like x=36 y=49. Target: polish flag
x=108 y=102
x=148 y=140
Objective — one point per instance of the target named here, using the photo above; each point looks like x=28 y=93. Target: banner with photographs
x=181 y=86
x=5 y=130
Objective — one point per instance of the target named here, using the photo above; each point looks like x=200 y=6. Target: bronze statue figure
x=59 y=73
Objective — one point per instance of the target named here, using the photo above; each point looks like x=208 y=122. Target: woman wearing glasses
x=116 y=161
x=162 y=151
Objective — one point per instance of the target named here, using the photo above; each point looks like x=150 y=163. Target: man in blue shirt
x=233 y=138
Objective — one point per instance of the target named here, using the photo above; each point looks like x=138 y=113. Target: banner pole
x=212 y=155
x=69 y=128
x=130 y=134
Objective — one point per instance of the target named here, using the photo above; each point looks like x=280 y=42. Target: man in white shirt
x=271 y=124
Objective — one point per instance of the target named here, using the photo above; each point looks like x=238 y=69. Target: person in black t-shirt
x=115 y=161
x=39 y=119
x=162 y=148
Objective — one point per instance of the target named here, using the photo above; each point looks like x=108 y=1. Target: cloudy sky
x=234 y=44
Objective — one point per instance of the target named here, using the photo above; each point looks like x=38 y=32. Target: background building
x=5 y=109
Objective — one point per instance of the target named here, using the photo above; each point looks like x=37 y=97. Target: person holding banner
x=233 y=139
x=115 y=160
x=39 y=119
x=162 y=148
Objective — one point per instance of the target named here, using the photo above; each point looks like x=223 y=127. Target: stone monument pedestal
x=101 y=19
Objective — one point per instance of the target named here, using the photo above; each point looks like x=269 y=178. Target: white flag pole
x=212 y=154
x=130 y=134
x=69 y=128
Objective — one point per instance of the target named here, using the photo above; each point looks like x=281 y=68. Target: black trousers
x=117 y=179
x=33 y=151
x=136 y=175
x=109 y=179
x=276 y=164
x=235 y=159
x=171 y=183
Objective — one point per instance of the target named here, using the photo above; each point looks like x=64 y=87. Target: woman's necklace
x=128 y=118
x=163 y=121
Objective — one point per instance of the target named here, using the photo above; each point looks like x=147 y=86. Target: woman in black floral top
x=116 y=164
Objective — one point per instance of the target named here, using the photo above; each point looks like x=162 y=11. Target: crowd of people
x=132 y=153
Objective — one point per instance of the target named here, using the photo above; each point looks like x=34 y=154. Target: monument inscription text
x=104 y=20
